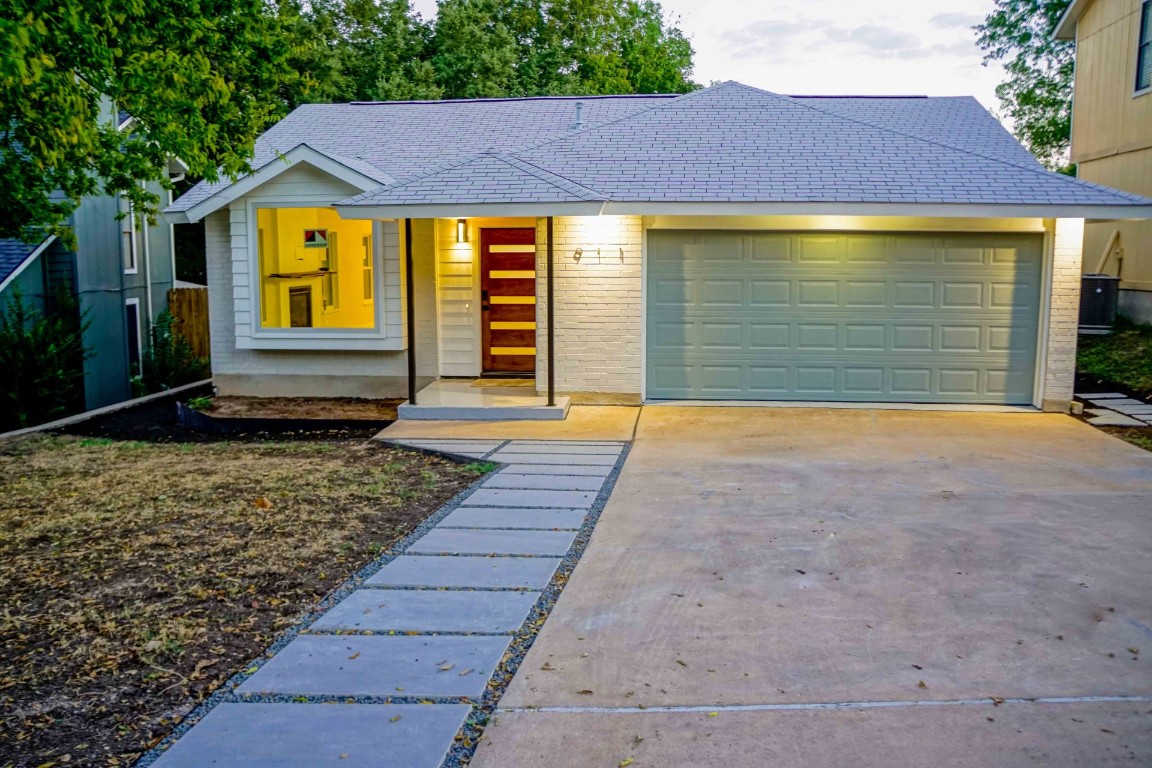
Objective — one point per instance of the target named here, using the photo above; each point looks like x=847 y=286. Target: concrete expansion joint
x=343 y=632
x=824 y=705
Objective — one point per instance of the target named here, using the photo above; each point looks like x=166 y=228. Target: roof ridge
x=1040 y=171
x=676 y=99
x=543 y=173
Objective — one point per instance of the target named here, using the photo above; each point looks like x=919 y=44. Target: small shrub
x=1122 y=357
x=169 y=362
x=200 y=403
x=42 y=356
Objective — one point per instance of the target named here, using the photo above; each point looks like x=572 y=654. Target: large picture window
x=314 y=269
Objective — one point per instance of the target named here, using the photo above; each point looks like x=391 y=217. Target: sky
x=803 y=47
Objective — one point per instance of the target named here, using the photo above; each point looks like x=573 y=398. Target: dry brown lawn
x=136 y=577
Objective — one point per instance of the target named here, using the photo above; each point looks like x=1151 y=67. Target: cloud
x=771 y=40
x=953 y=20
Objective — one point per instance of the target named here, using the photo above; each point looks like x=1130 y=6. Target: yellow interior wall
x=280 y=233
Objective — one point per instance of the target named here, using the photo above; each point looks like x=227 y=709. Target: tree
x=42 y=354
x=1037 y=96
x=201 y=78
x=550 y=47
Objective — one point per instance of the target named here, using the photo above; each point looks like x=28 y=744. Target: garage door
x=937 y=318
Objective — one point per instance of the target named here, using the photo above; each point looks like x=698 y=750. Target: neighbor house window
x=303 y=252
x=1144 y=48
x=135 y=338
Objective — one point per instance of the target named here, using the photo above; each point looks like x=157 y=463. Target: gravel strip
x=464 y=745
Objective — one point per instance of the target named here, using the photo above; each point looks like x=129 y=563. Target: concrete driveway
x=803 y=587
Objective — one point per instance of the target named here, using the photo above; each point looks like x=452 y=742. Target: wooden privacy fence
x=190 y=308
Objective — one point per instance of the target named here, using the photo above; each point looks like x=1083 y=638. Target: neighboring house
x=728 y=244
x=119 y=271
x=1112 y=133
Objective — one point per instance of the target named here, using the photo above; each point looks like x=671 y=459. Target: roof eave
x=301 y=153
x=940 y=210
x=1066 y=26
x=23 y=265
x=464 y=210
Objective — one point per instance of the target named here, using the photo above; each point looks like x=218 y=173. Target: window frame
x=375 y=338
x=1143 y=48
x=135 y=303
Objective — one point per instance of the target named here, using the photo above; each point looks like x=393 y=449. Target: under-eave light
x=461 y=231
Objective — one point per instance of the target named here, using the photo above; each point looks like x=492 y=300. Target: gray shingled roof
x=408 y=139
x=958 y=121
x=725 y=144
x=12 y=255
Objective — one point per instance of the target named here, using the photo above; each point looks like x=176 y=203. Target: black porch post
x=411 y=294
x=551 y=322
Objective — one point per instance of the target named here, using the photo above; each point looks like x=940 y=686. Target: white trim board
x=300 y=154
x=27 y=260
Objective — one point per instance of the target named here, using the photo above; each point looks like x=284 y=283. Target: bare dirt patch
x=351 y=408
x=135 y=577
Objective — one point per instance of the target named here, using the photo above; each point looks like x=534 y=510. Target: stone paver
x=380 y=665
x=513 y=517
x=467 y=572
x=318 y=735
x=463 y=588
x=560 y=449
x=471 y=541
x=383 y=610
x=512 y=457
x=499 y=497
x=601 y=471
x=1100 y=395
x=544 y=482
x=1115 y=420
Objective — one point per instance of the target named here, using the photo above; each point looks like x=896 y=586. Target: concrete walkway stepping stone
x=1133 y=410
x=383 y=610
x=601 y=471
x=1115 y=420
x=513 y=517
x=474 y=572
x=563 y=450
x=458 y=541
x=513 y=457
x=1100 y=395
x=500 y=497
x=544 y=482
x=319 y=736
x=381 y=665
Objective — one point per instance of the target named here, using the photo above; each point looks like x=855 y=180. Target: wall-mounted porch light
x=461 y=230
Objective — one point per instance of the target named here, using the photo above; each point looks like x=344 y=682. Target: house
x=1112 y=134
x=729 y=244
x=119 y=271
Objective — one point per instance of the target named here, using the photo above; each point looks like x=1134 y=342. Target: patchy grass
x=1123 y=357
x=135 y=577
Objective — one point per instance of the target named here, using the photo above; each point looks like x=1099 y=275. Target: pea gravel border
x=468 y=738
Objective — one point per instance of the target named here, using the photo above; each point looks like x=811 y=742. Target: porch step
x=479 y=411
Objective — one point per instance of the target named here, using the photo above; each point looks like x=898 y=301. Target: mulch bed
x=140 y=567
x=347 y=408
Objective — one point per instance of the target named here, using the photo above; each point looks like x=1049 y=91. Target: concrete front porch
x=461 y=400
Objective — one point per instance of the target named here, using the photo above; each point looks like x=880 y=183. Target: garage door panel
x=904 y=317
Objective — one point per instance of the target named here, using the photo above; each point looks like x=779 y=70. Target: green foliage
x=169 y=361
x=533 y=47
x=1122 y=357
x=42 y=356
x=202 y=78
x=200 y=403
x=1037 y=96
x=382 y=50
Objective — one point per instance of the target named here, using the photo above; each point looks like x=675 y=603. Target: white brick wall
x=599 y=304
x=1060 y=367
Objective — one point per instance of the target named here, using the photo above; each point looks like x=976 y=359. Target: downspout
x=551 y=320
x=410 y=289
x=147 y=273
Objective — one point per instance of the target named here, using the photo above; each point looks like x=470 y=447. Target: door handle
x=484 y=305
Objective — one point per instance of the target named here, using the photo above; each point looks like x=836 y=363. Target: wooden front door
x=508 y=300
